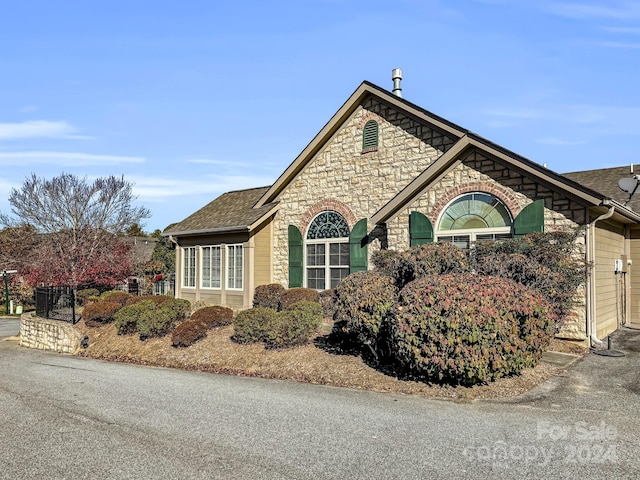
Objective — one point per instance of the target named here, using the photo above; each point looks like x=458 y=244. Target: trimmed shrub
x=438 y=258
x=149 y=318
x=268 y=295
x=100 y=313
x=156 y=322
x=127 y=317
x=545 y=262
x=178 y=307
x=157 y=299
x=294 y=295
x=294 y=326
x=466 y=329
x=115 y=296
x=214 y=316
x=188 y=332
x=329 y=302
x=384 y=262
x=250 y=325
x=364 y=301
x=84 y=294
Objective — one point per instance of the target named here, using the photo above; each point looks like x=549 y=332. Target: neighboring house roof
x=230 y=212
x=142 y=247
x=605 y=180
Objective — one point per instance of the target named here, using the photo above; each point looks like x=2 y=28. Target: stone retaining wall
x=53 y=335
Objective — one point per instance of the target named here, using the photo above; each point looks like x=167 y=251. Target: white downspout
x=591 y=287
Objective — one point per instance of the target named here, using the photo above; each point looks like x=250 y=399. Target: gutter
x=235 y=229
x=591 y=246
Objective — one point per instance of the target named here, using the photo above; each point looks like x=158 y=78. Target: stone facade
x=358 y=182
x=53 y=335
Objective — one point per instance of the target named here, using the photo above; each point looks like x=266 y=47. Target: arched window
x=326 y=251
x=472 y=217
x=370 y=136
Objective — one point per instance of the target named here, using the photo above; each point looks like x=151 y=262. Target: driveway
x=70 y=417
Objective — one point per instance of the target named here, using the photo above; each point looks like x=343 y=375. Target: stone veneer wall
x=478 y=173
x=44 y=334
x=357 y=184
x=343 y=175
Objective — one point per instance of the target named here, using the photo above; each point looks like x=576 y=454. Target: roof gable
x=358 y=97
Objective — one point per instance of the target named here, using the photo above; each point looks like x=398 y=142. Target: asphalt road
x=63 y=417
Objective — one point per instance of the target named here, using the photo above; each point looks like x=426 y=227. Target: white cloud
x=67 y=159
x=36 y=128
x=158 y=189
x=620 y=11
x=629 y=30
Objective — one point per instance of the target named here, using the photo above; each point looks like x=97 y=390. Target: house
x=386 y=173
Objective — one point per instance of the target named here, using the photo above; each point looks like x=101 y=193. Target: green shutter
x=295 y=257
x=530 y=219
x=370 y=135
x=420 y=229
x=358 y=260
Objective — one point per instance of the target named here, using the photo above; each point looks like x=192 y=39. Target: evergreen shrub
x=100 y=313
x=294 y=295
x=250 y=325
x=188 y=332
x=294 y=326
x=214 y=316
x=268 y=295
x=364 y=302
x=116 y=296
x=467 y=329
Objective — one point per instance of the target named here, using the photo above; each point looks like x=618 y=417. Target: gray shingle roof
x=605 y=181
x=230 y=211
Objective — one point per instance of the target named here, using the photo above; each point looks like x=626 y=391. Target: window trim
x=327 y=242
x=472 y=233
x=187 y=256
x=228 y=248
x=220 y=265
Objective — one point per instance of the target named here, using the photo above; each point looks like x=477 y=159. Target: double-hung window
x=327 y=251
x=235 y=267
x=189 y=267
x=211 y=267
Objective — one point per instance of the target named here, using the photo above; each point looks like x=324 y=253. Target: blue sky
x=190 y=99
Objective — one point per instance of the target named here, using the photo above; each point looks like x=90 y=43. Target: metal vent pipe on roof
x=396 y=76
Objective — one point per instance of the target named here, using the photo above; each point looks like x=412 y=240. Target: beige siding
x=634 y=277
x=609 y=285
x=263 y=253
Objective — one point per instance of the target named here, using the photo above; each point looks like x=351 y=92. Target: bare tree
x=80 y=226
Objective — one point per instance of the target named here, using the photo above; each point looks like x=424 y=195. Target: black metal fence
x=56 y=303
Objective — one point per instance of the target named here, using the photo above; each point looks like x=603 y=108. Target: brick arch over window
x=369 y=116
x=323 y=205
x=504 y=194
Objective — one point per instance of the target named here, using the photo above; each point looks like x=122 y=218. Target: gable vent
x=370 y=135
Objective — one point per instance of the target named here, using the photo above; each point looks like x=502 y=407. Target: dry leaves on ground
x=216 y=353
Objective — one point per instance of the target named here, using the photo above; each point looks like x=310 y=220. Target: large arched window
x=472 y=217
x=326 y=251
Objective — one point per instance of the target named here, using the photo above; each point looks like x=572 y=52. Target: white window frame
x=189 y=254
x=473 y=233
x=211 y=285
x=327 y=255
x=234 y=267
